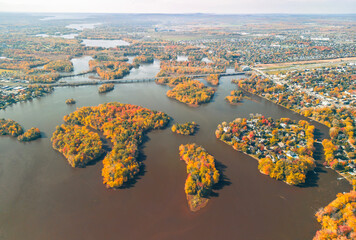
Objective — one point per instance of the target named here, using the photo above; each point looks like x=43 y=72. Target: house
x=281 y=144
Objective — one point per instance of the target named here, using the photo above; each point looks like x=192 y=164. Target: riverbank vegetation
x=338 y=219
x=106 y=88
x=192 y=92
x=184 y=129
x=124 y=125
x=202 y=174
x=283 y=148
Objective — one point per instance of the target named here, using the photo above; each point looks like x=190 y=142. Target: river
x=43 y=198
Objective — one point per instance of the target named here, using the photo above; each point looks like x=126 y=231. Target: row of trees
x=202 y=173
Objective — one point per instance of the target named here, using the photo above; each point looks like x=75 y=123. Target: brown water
x=43 y=198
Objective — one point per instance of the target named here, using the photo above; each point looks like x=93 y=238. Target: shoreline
x=347 y=178
x=202 y=202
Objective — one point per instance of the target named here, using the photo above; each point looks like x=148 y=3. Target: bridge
x=117 y=81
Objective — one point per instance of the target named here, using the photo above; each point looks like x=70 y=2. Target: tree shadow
x=223 y=180
x=312 y=177
x=318 y=135
x=43 y=135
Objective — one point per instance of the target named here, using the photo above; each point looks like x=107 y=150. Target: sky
x=180 y=6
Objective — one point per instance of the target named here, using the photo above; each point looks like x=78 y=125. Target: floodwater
x=43 y=198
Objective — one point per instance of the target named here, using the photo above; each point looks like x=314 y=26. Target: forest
x=124 y=125
x=79 y=145
x=192 y=92
x=338 y=219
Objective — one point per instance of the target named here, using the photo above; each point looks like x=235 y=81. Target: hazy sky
x=181 y=6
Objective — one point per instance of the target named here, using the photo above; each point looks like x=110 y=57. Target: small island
x=107 y=87
x=202 y=175
x=192 y=92
x=184 y=129
x=213 y=79
x=235 y=97
x=14 y=129
x=70 y=101
x=10 y=127
x=338 y=218
x=109 y=70
x=30 y=135
x=283 y=148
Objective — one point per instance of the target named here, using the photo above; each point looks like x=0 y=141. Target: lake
x=44 y=198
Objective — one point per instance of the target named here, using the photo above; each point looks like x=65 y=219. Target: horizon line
x=184 y=13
